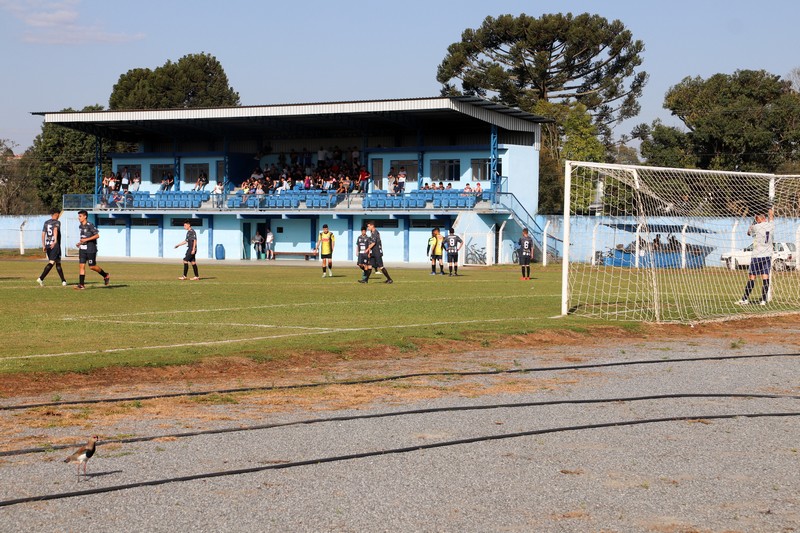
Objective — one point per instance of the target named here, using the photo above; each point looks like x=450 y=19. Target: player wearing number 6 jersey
x=763 y=233
x=525 y=253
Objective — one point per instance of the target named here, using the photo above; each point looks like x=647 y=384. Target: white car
x=783 y=257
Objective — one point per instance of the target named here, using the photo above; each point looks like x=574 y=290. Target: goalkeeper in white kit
x=763 y=233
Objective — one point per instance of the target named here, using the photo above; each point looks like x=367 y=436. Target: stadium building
x=460 y=142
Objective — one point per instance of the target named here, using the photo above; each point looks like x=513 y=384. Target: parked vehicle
x=784 y=257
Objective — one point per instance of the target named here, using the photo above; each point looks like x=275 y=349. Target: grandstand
x=460 y=141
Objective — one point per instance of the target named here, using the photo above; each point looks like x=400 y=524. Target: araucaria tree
x=558 y=58
x=195 y=80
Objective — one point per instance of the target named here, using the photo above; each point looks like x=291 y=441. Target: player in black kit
x=51 y=244
x=453 y=244
x=375 y=253
x=362 y=260
x=191 y=251
x=87 y=250
x=525 y=252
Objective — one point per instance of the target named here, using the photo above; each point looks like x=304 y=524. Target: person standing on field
x=362 y=244
x=325 y=244
x=269 y=240
x=87 y=250
x=435 y=250
x=375 y=254
x=453 y=243
x=191 y=251
x=763 y=233
x=525 y=253
x=51 y=244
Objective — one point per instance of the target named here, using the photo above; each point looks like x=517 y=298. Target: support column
x=98 y=166
x=493 y=157
x=128 y=236
x=210 y=237
x=161 y=236
x=176 y=167
x=350 y=239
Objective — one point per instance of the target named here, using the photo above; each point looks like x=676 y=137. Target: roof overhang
x=374 y=117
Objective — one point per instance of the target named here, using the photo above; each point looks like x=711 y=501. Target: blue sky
x=70 y=53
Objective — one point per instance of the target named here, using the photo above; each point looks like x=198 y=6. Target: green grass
x=266 y=312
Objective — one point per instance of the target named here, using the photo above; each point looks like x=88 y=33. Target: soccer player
x=51 y=245
x=191 y=250
x=362 y=244
x=435 y=249
x=375 y=253
x=453 y=243
x=87 y=250
x=525 y=252
x=763 y=232
x=325 y=244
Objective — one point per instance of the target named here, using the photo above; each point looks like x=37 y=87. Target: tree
x=196 y=80
x=557 y=58
x=748 y=121
x=17 y=197
x=63 y=161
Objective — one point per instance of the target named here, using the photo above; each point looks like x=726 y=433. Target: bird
x=82 y=454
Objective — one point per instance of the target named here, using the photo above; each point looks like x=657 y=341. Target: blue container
x=219 y=252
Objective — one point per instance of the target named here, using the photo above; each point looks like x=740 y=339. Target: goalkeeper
x=763 y=232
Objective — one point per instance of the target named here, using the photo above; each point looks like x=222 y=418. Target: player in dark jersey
x=375 y=253
x=51 y=244
x=525 y=253
x=362 y=244
x=87 y=250
x=191 y=250
x=453 y=243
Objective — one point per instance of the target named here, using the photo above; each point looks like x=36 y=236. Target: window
x=102 y=221
x=386 y=223
x=411 y=166
x=151 y=222
x=132 y=169
x=191 y=171
x=178 y=222
x=428 y=223
x=445 y=170
x=482 y=169
x=156 y=171
x=220 y=171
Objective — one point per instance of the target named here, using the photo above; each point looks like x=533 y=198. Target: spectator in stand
x=401 y=180
x=478 y=191
x=441 y=186
x=355 y=155
x=322 y=156
x=112 y=183
x=307 y=182
x=105 y=187
x=170 y=181
x=137 y=182
x=363 y=179
x=164 y=181
x=202 y=181
x=217 y=194
x=124 y=179
x=449 y=186
x=467 y=190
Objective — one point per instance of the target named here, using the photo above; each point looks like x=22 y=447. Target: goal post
x=671 y=245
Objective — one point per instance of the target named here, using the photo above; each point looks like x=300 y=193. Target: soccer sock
x=194 y=267
x=323 y=269
x=103 y=273
x=46 y=270
x=433 y=268
x=60 y=272
x=528 y=270
x=765 y=290
x=369 y=273
x=388 y=277
x=450 y=268
x=747 y=288
x=441 y=267
x=185 y=269
x=523 y=271
x=456 y=267
x=82 y=279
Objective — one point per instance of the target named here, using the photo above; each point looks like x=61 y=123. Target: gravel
x=707 y=475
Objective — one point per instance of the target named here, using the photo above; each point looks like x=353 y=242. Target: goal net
x=671 y=245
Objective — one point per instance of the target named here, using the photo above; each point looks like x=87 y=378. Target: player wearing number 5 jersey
x=763 y=233
x=525 y=253
x=51 y=244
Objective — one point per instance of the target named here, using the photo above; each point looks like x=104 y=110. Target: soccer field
x=146 y=316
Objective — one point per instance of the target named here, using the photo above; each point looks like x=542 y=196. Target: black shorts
x=376 y=261
x=54 y=254
x=452 y=258
x=189 y=257
x=760 y=266
x=363 y=259
x=88 y=258
x=326 y=256
x=436 y=257
x=524 y=260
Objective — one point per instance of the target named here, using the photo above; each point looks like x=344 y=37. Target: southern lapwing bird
x=82 y=454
